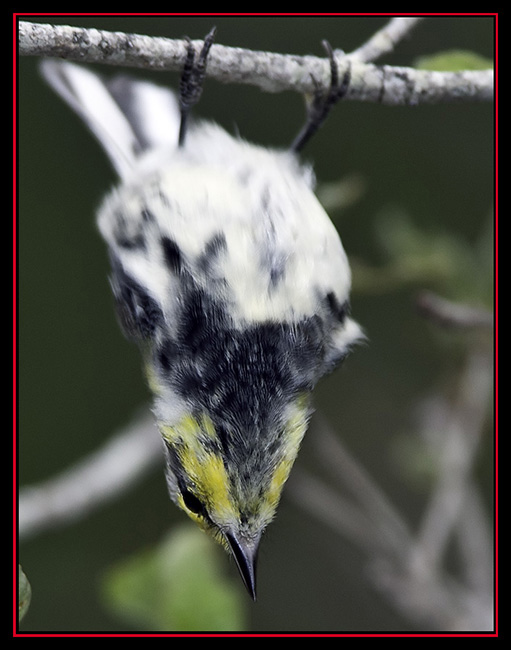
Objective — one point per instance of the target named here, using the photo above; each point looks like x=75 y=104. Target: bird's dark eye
x=193 y=504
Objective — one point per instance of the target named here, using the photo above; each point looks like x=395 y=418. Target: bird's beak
x=245 y=554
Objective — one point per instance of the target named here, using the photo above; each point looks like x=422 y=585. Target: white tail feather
x=126 y=116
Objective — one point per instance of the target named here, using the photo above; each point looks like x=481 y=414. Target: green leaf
x=177 y=586
x=24 y=593
x=453 y=60
x=415 y=255
x=439 y=260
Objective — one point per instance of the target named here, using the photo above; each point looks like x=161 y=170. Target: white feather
x=151 y=108
x=90 y=99
x=158 y=113
x=260 y=200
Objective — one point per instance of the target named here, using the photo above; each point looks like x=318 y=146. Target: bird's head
x=229 y=481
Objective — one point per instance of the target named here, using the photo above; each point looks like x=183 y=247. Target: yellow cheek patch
x=185 y=433
x=292 y=436
x=207 y=473
x=203 y=467
x=207 y=426
x=280 y=476
x=295 y=429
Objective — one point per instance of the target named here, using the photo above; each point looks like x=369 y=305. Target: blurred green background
x=413 y=174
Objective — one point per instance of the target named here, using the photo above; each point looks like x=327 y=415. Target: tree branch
x=96 y=479
x=271 y=72
x=385 y=39
x=411 y=567
x=450 y=314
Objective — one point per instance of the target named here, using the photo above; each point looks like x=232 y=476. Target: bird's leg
x=192 y=79
x=322 y=102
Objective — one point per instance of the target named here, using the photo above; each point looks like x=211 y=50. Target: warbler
x=232 y=279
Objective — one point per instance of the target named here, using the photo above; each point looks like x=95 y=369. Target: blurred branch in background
x=95 y=480
x=449 y=314
x=271 y=72
x=412 y=568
